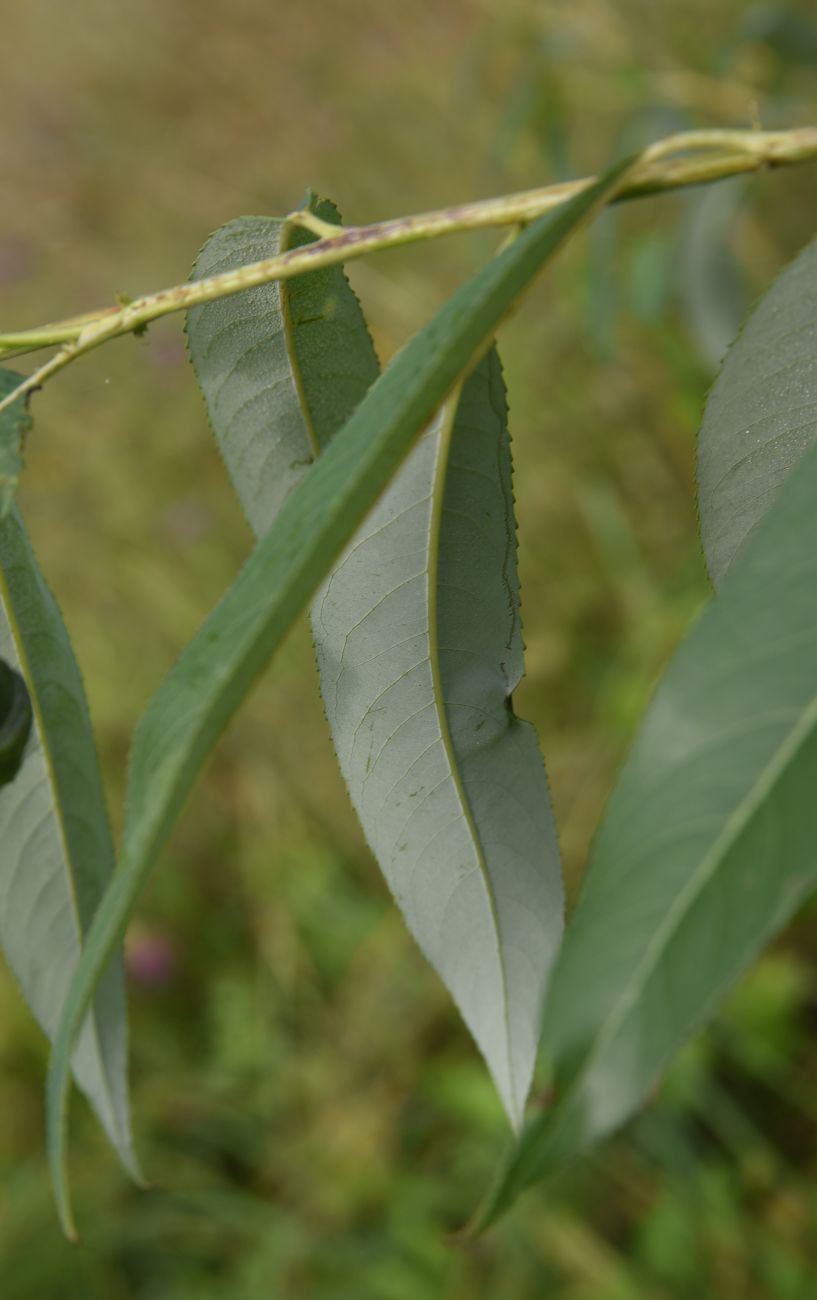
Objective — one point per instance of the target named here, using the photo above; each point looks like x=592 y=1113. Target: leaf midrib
x=735 y=824
x=447 y=419
x=62 y=831
x=286 y=230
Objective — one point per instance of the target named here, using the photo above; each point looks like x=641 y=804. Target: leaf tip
x=65 y=1209
x=487 y=1211
x=130 y=1162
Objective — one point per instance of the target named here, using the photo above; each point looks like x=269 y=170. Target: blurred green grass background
x=311 y=1111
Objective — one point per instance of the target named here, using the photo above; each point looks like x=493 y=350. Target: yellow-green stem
x=723 y=153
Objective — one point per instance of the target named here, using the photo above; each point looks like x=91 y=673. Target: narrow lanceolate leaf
x=282 y=366
x=419 y=646
x=315 y=522
x=56 y=855
x=421 y=673
x=708 y=844
x=761 y=414
x=14 y=425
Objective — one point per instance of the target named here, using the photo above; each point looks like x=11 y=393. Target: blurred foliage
x=313 y=1115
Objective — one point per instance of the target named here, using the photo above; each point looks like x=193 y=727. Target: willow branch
x=705 y=156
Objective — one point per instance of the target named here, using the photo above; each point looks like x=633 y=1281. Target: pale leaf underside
x=761 y=414
x=56 y=855
x=281 y=367
x=316 y=521
x=449 y=785
x=419 y=644
x=709 y=841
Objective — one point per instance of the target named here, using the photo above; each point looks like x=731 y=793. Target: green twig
x=706 y=156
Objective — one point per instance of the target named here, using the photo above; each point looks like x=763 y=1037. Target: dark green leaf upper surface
x=761 y=414
x=708 y=843
x=15 y=422
x=315 y=522
x=281 y=367
x=56 y=855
